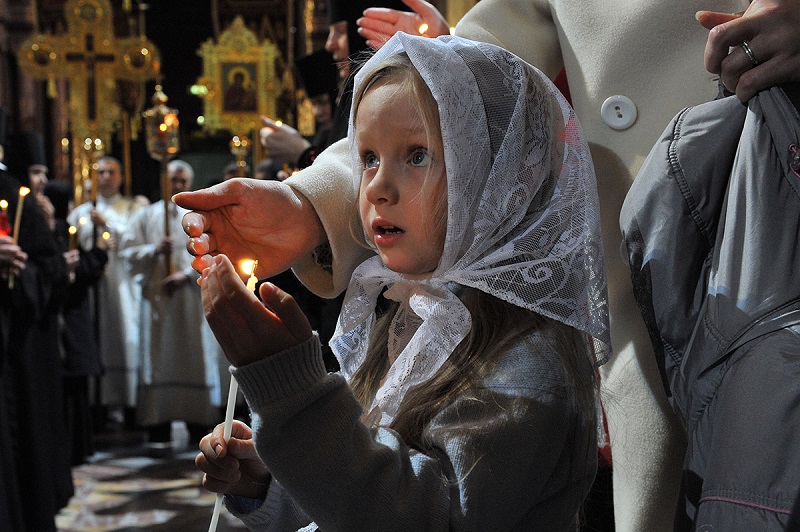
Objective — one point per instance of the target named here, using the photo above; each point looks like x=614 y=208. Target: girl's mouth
x=388 y=230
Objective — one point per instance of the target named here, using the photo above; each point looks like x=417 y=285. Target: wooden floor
x=131 y=485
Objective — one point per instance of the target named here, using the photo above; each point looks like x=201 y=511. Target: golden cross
x=92 y=59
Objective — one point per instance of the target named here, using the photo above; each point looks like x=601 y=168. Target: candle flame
x=3 y=204
x=106 y=235
x=278 y=123
x=247 y=266
x=72 y=229
x=24 y=191
x=423 y=28
x=82 y=220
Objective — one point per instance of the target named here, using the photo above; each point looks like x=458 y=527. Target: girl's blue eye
x=420 y=157
x=370 y=160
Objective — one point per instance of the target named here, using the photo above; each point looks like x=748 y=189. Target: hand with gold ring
x=754 y=50
x=379 y=23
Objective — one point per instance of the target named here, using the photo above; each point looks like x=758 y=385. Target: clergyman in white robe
x=117 y=306
x=180 y=373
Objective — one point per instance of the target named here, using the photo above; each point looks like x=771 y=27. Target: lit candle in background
x=5 y=227
x=73 y=240
x=23 y=191
x=423 y=28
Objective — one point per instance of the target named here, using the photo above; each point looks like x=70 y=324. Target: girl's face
x=403 y=193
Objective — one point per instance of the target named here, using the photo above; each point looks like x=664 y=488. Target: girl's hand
x=770 y=28
x=232 y=468
x=246 y=329
x=379 y=23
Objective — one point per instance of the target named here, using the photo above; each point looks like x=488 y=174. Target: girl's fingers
x=287 y=310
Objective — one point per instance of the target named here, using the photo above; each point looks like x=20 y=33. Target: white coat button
x=618 y=112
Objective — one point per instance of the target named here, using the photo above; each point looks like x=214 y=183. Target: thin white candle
x=226 y=434
x=23 y=191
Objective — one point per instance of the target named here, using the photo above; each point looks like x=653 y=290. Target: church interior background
x=174 y=31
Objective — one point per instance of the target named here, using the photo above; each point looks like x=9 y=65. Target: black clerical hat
x=318 y=73
x=24 y=150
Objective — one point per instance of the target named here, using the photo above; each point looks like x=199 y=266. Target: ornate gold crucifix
x=92 y=59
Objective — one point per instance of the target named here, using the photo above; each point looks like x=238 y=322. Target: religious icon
x=239 y=92
x=239 y=80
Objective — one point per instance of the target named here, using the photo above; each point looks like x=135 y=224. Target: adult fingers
x=195 y=223
x=765 y=75
x=375 y=15
x=724 y=36
x=425 y=9
x=375 y=40
x=709 y=19
x=268 y=122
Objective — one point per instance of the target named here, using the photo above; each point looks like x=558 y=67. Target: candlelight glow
x=3 y=204
x=24 y=191
x=423 y=28
x=247 y=266
x=72 y=229
x=82 y=220
x=278 y=123
x=106 y=235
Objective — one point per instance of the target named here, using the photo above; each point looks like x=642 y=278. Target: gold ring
x=749 y=52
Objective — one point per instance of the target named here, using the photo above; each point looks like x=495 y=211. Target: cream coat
x=650 y=51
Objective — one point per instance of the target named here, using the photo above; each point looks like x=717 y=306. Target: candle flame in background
x=278 y=123
x=72 y=229
x=3 y=205
x=423 y=28
x=24 y=191
x=82 y=220
x=106 y=235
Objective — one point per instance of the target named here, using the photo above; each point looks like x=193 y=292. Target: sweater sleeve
x=510 y=454
x=328 y=185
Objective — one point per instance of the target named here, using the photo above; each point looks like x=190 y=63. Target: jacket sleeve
x=328 y=185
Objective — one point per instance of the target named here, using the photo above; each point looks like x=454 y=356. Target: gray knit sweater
x=512 y=454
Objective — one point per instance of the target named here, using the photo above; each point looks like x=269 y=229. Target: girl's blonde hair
x=496 y=325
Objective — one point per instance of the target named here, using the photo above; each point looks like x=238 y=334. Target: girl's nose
x=382 y=190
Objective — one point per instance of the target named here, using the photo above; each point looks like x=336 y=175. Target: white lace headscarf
x=522 y=215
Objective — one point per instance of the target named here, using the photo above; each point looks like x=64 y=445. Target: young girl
x=468 y=403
